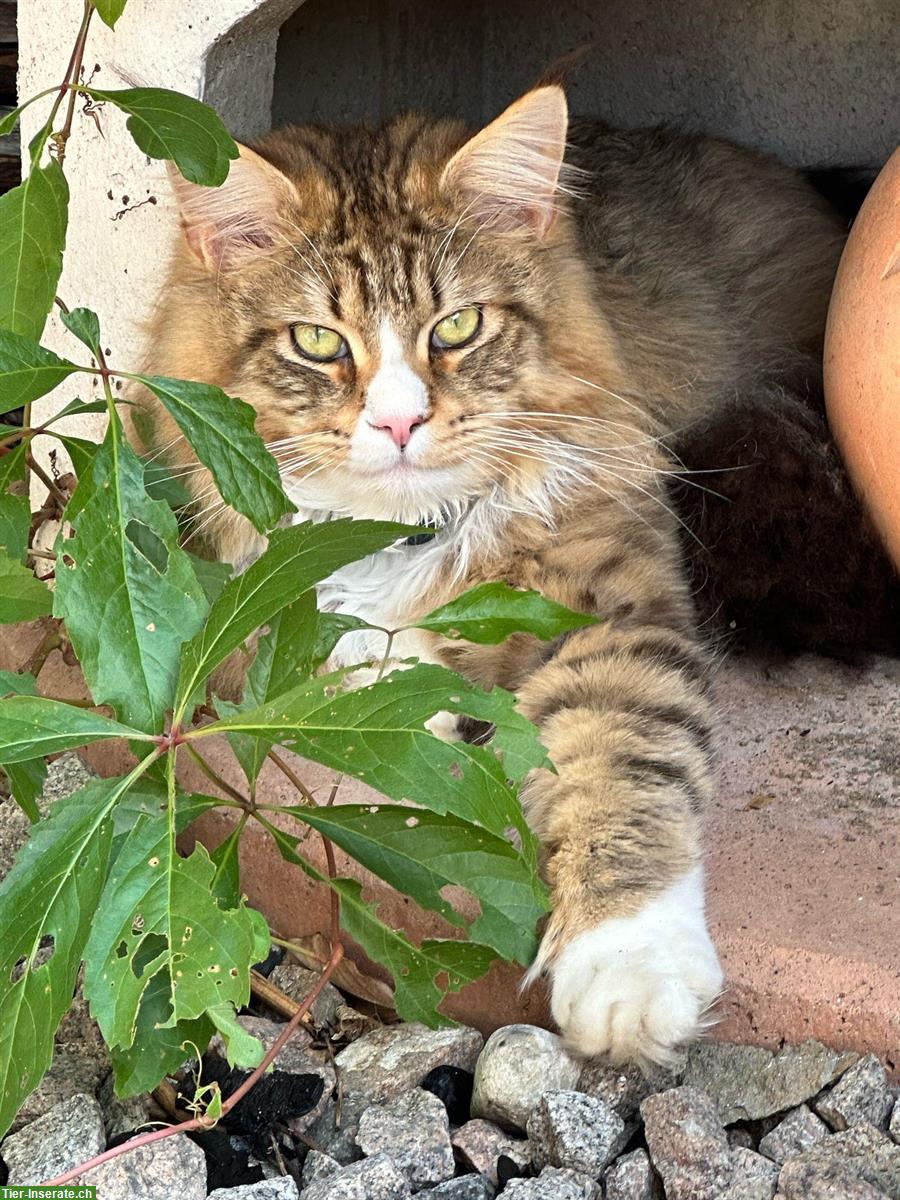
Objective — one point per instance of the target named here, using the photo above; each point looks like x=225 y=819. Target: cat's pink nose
x=400 y=428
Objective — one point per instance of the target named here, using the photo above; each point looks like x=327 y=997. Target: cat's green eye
x=457 y=329
x=318 y=342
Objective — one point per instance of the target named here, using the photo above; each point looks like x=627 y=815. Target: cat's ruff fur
x=623 y=297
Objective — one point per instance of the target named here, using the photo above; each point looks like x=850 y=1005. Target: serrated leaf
x=85 y=325
x=295 y=560
x=81 y=451
x=22 y=596
x=81 y=408
x=283 y=657
x=226 y=883
x=109 y=11
x=125 y=588
x=171 y=125
x=28 y=370
x=157 y=913
x=33 y=219
x=31 y=726
x=420 y=853
x=26 y=782
x=330 y=629
x=242 y=1049
x=491 y=612
x=15 y=509
x=415 y=969
x=222 y=433
x=377 y=733
x=159 y=1048
x=50 y=893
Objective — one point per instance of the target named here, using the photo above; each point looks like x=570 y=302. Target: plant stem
x=203 y=1122
x=293 y=777
x=217 y=779
x=72 y=75
x=52 y=640
x=45 y=479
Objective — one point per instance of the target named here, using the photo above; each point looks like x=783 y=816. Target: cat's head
x=385 y=298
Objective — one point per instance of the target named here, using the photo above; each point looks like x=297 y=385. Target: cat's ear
x=223 y=226
x=508 y=174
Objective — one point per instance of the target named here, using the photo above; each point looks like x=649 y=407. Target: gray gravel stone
x=630 y=1178
x=172 y=1167
x=518 y=1064
x=122 y=1116
x=749 y=1082
x=554 y=1183
x=339 y=1140
x=861 y=1094
x=318 y=1166
x=894 y=1125
x=687 y=1144
x=67 y=1135
x=833 y=1184
x=297 y=982
x=388 y=1062
x=478 y=1144
x=375 y=1178
x=465 y=1187
x=282 y=1187
x=623 y=1088
x=799 y=1130
x=753 y=1176
x=415 y=1132
x=569 y=1129
x=861 y=1154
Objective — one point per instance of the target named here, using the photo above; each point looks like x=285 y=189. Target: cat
x=499 y=334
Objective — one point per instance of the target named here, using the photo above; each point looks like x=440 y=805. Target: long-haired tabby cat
x=496 y=333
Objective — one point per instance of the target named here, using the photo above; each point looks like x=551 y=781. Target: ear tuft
x=508 y=174
x=225 y=226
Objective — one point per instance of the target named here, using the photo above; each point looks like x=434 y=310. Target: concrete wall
x=817 y=81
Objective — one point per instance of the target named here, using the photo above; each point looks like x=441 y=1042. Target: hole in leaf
x=146 y=541
x=43 y=955
x=122 y=950
x=149 y=949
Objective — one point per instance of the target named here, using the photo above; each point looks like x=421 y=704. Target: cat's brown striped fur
x=669 y=272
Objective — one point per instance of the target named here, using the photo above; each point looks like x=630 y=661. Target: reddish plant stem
x=72 y=73
x=201 y=1123
x=293 y=777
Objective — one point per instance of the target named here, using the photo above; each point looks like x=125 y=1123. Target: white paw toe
x=635 y=988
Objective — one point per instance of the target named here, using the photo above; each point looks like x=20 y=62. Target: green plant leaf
x=171 y=125
x=26 y=782
x=125 y=588
x=31 y=726
x=415 y=969
x=242 y=1049
x=331 y=627
x=85 y=325
x=490 y=612
x=109 y=11
x=162 y=485
x=33 y=219
x=159 y=1048
x=294 y=561
x=158 y=914
x=17 y=683
x=79 y=408
x=22 y=596
x=15 y=509
x=222 y=433
x=28 y=370
x=283 y=657
x=377 y=733
x=420 y=853
x=50 y=893
x=212 y=576
x=81 y=451
x=226 y=884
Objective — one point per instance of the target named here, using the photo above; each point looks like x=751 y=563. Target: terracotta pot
x=862 y=355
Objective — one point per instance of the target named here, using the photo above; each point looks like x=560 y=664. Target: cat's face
x=390 y=303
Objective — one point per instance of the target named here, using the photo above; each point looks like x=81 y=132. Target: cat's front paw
x=635 y=988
